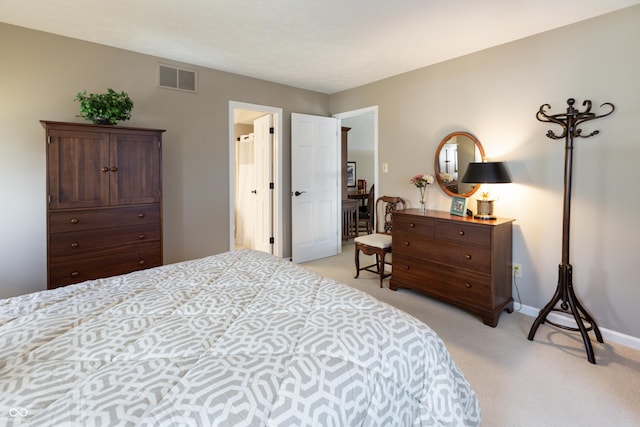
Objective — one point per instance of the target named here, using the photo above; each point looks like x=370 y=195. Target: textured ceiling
x=321 y=45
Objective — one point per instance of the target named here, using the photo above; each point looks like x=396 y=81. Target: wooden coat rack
x=565 y=294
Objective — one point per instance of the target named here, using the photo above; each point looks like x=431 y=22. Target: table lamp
x=486 y=173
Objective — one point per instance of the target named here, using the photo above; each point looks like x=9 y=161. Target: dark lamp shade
x=487 y=173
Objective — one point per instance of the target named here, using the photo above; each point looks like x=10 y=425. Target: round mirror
x=454 y=154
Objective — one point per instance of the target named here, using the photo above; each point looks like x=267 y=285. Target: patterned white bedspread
x=237 y=339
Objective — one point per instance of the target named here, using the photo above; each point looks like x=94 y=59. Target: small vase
x=423 y=208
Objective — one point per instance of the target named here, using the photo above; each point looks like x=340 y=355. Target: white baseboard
x=566 y=320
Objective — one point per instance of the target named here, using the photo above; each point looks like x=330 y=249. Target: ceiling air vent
x=177 y=78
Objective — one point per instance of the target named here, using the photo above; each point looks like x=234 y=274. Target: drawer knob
x=461 y=233
x=406 y=243
x=468 y=285
x=74 y=220
x=141 y=215
x=406 y=267
x=467 y=256
x=104 y=169
x=74 y=245
x=141 y=236
x=141 y=262
x=74 y=274
x=412 y=225
x=114 y=169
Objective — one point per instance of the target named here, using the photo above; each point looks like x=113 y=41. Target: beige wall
x=495 y=94
x=39 y=77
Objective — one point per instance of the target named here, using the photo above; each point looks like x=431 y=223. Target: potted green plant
x=105 y=108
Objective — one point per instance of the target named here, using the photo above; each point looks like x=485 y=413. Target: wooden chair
x=378 y=243
x=367 y=212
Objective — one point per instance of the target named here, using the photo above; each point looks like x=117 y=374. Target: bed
x=237 y=339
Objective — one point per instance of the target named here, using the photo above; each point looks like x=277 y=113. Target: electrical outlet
x=517 y=270
x=385 y=167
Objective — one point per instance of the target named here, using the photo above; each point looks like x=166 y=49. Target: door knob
x=254 y=191
x=297 y=193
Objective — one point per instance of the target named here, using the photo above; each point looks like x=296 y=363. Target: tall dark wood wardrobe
x=104 y=201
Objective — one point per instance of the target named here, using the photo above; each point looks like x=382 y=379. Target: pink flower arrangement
x=421 y=181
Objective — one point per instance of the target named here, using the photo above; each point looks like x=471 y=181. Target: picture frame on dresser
x=459 y=206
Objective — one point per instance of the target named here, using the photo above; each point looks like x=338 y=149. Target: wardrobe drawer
x=468 y=257
x=139 y=257
x=468 y=234
x=69 y=245
x=461 y=287
x=413 y=224
x=60 y=222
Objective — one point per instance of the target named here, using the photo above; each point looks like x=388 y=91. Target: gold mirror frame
x=463 y=149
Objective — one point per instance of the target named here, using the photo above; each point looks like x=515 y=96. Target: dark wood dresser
x=104 y=213
x=460 y=260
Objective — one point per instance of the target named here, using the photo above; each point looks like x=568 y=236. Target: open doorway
x=255 y=178
x=362 y=146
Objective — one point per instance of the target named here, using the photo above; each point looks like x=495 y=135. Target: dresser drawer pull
x=467 y=285
x=412 y=225
x=141 y=236
x=461 y=233
x=406 y=267
x=467 y=256
x=74 y=274
x=75 y=245
x=114 y=169
x=141 y=215
x=104 y=169
x=141 y=262
x=406 y=243
x=74 y=220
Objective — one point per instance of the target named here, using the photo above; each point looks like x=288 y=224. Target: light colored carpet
x=545 y=382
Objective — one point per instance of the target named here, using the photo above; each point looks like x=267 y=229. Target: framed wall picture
x=459 y=206
x=351 y=174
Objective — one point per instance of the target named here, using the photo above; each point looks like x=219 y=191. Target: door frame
x=376 y=175
x=278 y=220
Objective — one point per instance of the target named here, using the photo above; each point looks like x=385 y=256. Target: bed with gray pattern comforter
x=237 y=339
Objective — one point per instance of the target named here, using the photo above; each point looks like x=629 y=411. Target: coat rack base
x=569 y=304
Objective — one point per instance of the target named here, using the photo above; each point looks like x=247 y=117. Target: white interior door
x=262 y=154
x=315 y=178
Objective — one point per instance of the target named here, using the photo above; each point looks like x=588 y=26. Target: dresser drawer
x=65 y=246
x=413 y=224
x=60 y=222
x=468 y=234
x=472 y=258
x=141 y=256
x=461 y=287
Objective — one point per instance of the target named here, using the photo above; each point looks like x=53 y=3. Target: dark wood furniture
x=367 y=212
x=350 y=217
x=379 y=243
x=565 y=290
x=362 y=197
x=344 y=152
x=460 y=260
x=104 y=213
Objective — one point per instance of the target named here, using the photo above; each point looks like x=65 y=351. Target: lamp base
x=485 y=210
